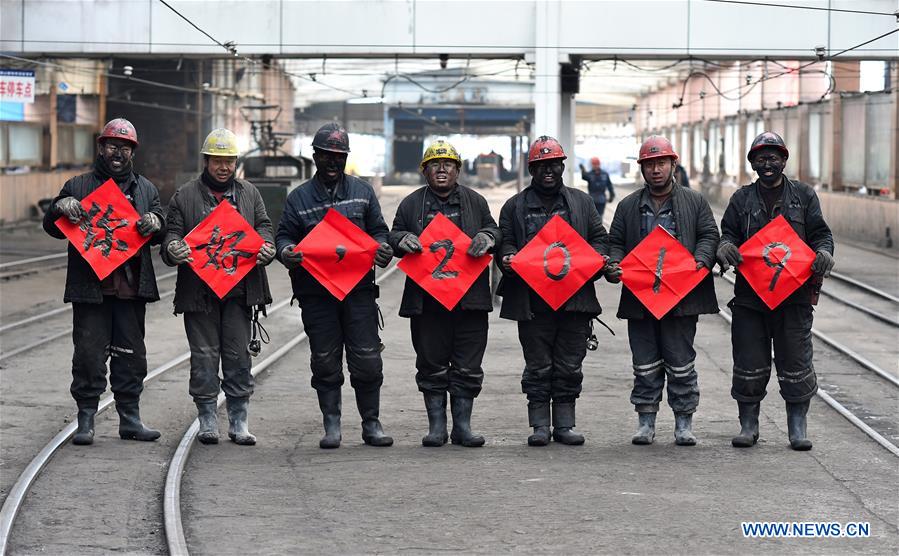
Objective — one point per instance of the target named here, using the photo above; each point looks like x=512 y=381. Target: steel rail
x=841 y=409
x=858 y=358
x=171 y=502
x=33 y=260
x=862 y=286
x=870 y=312
x=26 y=479
x=63 y=309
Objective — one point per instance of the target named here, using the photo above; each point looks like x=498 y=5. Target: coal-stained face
x=116 y=153
x=441 y=175
x=329 y=165
x=769 y=164
x=547 y=174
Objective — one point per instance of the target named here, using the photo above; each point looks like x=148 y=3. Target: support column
x=547 y=100
x=566 y=135
x=54 y=123
x=893 y=177
x=388 y=144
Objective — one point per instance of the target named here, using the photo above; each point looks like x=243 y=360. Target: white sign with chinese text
x=17 y=86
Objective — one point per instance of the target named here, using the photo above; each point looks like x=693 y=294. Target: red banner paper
x=444 y=269
x=107 y=236
x=557 y=262
x=337 y=253
x=776 y=262
x=224 y=248
x=660 y=272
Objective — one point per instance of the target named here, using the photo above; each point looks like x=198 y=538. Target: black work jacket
x=412 y=217
x=306 y=206
x=82 y=284
x=695 y=229
x=598 y=182
x=190 y=205
x=746 y=214
x=515 y=291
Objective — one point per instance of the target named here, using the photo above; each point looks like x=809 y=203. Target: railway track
x=21 y=268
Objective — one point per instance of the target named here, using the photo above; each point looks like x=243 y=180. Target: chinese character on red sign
x=444 y=269
x=223 y=247
x=107 y=235
x=557 y=262
x=660 y=272
x=776 y=262
x=337 y=253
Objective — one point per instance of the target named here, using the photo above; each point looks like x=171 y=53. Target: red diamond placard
x=660 y=272
x=108 y=235
x=776 y=262
x=444 y=268
x=337 y=253
x=557 y=262
x=224 y=248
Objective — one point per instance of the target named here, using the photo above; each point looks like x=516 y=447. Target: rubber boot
x=683 y=429
x=84 y=434
x=238 y=430
x=209 y=425
x=461 y=408
x=329 y=401
x=369 y=404
x=435 y=404
x=538 y=417
x=563 y=422
x=130 y=425
x=646 y=429
x=749 y=425
x=796 y=426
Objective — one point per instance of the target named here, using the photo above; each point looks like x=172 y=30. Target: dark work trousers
x=332 y=325
x=554 y=345
x=111 y=330
x=600 y=208
x=659 y=348
x=221 y=335
x=789 y=327
x=449 y=348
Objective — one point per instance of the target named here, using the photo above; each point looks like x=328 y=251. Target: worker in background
x=108 y=315
x=663 y=348
x=598 y=184
x=449 y=345
x=333 y=325
x=219 y=330
x=554 y=342
x=680 y=176
x=755 y=327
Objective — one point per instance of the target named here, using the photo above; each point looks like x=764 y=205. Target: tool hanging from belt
x=260 y=334
x=592 y=340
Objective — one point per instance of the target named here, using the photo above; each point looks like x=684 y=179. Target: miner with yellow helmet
x=449 y=345
x=219 y=330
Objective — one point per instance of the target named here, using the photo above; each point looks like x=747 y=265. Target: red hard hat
x=656 y=146
x=545 y=148
x=119 y=128
x=768 y=139
x=594 y=161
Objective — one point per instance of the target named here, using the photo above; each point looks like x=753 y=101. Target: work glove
x=410 y=244
x=384 y=254
x=266 y=254
x=700 y=265
x=179 y=251
x=507 y=263
x=148 y=224
x=823 y=263
x=291 y=258
x=480 y=244
x=612 y=272
x=71 y=208
x=728 y=255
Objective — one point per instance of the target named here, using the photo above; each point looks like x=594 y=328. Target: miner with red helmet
x=598 y=183
x=755 y=327
x=663 y=348
x=333 y=325
x=554 y=342
x=108 y=315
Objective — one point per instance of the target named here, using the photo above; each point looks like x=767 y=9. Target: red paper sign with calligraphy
x=337 y=253
x=444 y=269
x=557 y=262
x=660 y=272
x=224 y=248
x=776 y=262
x=107 y=235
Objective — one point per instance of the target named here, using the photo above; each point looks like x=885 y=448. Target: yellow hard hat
x=221 y=142
x=440 y=149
